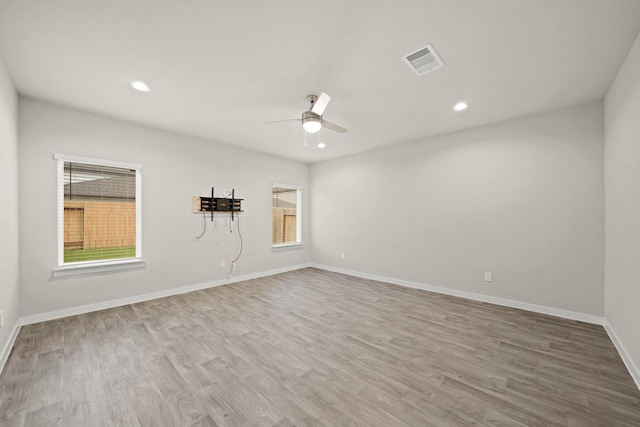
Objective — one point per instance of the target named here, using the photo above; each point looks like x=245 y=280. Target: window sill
x=287 y=245
x=97 y=267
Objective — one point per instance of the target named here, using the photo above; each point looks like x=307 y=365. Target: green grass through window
x=76 y=255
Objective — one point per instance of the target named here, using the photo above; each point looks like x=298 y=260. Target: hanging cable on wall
x=204 y=225
x=241 y=242
x=234 y=267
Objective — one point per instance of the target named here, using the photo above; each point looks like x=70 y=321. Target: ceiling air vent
x=423 y=60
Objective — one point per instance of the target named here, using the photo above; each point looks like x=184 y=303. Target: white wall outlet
x=223 y=263
x=342 y=255
x=488 y=276
x=1 y=318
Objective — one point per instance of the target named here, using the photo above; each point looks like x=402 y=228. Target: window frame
x=87 y=267
x=298 y=189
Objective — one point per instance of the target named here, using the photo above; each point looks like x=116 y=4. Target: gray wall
x=622 y=185
x=176 y=168
x=522 y=199
x=9 y=289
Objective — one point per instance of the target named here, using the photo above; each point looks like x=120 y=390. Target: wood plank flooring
x=315 y=348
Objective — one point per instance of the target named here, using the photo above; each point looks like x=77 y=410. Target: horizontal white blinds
x=95 y=182
x=285 y=197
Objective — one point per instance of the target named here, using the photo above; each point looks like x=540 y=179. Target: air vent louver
x=423 y=60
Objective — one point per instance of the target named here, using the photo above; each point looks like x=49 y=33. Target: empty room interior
x=295 y=213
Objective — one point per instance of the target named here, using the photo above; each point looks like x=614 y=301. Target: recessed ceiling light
x=321 y=145
x=460 y=106
x=141 y=86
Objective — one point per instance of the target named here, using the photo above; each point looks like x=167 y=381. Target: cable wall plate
x=196 y=205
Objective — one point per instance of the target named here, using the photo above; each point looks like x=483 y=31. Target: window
x=285 y=215
x=99 y=215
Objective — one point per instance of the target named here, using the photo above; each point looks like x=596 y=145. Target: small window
x=99 y=211
x=285 y=215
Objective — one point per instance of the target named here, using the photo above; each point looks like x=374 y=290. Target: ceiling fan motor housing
x=311 y=117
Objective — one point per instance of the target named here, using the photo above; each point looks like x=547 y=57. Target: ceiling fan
x=312 y=120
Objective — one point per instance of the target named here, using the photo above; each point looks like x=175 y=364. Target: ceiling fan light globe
x=311 y=125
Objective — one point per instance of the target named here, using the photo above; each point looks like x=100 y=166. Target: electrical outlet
x=1 y=318
x=488 y=276
x=223 y=263
x=342 y=255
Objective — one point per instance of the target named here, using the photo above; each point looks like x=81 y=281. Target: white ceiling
x=220 y=69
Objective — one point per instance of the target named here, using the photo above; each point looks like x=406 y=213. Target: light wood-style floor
x=315 y=348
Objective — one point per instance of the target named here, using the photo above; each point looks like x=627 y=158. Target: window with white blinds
x=285 y=215
x=99 y=211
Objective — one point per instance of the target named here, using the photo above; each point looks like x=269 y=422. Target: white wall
x=522 y=199
x=176 y=168
x=9 y=288
x=622 y=186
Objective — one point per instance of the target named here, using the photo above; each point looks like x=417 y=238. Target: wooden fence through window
x=99 y=224
x=284 y=225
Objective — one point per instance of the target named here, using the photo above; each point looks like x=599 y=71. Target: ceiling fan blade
x=321 y=104
x=280 y=121
x=333 y=126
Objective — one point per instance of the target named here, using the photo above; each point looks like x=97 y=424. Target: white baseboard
x=628 y=362
x=58 y=314
x=4 y=356
x=566 y=314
